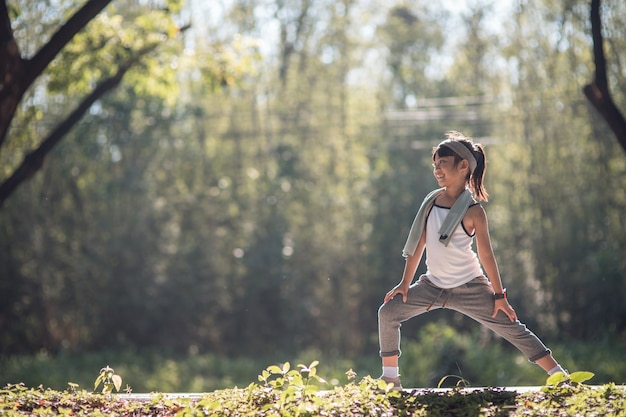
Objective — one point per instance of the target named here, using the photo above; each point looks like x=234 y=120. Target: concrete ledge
x=197 y=395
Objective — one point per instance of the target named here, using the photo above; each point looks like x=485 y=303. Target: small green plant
x=285 y=376
x=575 y=378
x=109 y=380
x=297 y=388
x=351 y=375
x=461 y=383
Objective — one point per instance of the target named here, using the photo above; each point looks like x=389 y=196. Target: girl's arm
x=410 y=267
x=488 y=260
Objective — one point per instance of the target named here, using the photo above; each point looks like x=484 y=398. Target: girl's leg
x=422 y=296
x=390 y=360
x=547 y=363
x=475 y=300
x=550 y=365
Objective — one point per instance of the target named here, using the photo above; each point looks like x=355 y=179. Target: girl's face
x=446 y=172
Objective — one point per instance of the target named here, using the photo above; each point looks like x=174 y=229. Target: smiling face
x=445 y=170
x=449 y=170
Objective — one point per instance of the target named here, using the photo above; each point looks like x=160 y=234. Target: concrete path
x=198 y=395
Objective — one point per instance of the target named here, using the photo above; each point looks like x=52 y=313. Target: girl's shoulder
x=474 y=204
x=475 y=215
x=475 y=208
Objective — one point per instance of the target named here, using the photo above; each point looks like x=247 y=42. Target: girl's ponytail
x=476 y=179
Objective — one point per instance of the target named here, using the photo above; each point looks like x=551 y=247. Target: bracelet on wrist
x=499 y=296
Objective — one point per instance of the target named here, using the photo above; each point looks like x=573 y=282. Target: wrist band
x=499 y=296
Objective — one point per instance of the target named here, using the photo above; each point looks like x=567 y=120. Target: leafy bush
x=285 y=392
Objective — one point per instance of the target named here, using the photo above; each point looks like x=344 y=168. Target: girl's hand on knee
x=504 y=306
x=398 y=289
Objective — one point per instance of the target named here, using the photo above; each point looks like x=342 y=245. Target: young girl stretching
x=446 y=224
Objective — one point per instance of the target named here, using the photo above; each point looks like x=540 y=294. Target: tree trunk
x=16 y=73
x=597 y=91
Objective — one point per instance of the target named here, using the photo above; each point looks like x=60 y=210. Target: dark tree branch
x=10 y=97
x=11 y=71
x=597 y=92
x=598 y=46
x=34 y=160
x=38 y=63
x=18 y=74
x=5 y=23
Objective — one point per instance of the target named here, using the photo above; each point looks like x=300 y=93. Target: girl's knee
x=386 y=311
x=382 y=310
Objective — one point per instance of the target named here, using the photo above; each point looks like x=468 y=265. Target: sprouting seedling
x=108 y=379
x=462 y=382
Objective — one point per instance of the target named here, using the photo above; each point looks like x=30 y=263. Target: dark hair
x=475 y=179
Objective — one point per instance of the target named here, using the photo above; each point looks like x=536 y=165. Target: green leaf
x=296 y=380
x=117 y=381
x=556 y=378
x=98 y=381
x=320 y=379
x=386 y=386
x=582 y=376
x=274 y=369
x=311 y=389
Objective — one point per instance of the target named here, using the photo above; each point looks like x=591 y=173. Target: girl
x=454 y=277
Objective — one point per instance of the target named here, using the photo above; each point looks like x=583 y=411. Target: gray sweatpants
x=473 y=299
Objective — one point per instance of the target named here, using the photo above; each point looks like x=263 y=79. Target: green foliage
x=286 y=392
x=575 y=378
x=297 y=389
x=479 y=364
x=116 y=37
x=109 y=380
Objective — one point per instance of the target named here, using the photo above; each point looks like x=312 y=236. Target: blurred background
x=243 y=196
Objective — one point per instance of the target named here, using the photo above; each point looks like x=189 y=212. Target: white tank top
x=452 y=265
